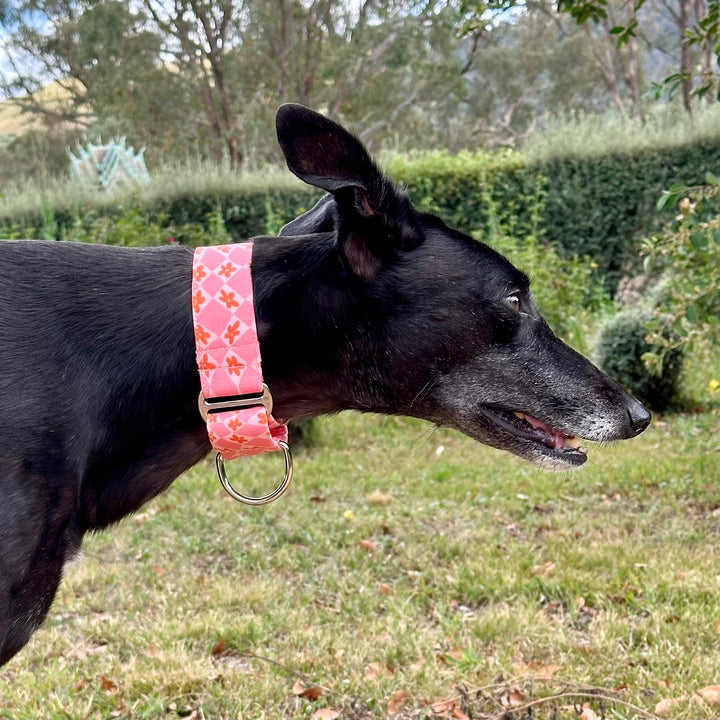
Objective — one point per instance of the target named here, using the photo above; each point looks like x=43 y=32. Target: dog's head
x=405 y=315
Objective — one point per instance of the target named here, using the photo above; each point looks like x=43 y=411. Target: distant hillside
x=14 y=123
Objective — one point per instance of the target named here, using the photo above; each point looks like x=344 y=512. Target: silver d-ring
x=274 y=495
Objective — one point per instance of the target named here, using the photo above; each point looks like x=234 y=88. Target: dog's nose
x=639 y=416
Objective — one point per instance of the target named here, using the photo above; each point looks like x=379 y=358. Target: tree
x=80 y=64
x=540 y=63
x=698 y=34
x=624 y=23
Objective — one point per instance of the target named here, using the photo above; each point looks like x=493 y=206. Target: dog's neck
x=305 y=309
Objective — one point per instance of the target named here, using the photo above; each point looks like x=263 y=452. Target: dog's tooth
x=573 y=442
x=519 y=415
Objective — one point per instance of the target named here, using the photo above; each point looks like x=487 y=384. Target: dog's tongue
x=556 y=438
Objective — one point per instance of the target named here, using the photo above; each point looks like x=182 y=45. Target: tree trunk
x=685 y=58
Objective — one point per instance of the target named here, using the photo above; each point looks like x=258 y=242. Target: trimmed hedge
x=186 y=198
x=595 y=206
x=602 y=206
x=489 y=195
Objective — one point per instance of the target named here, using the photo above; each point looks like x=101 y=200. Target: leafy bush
x=490 y=194
x=687 y=253
x=178 y=196
x=602 y=206
x=133 y=228
x=620 y=351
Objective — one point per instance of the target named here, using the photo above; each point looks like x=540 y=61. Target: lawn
x=408 y=574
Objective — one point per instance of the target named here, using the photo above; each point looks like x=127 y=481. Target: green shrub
x=492 y=194
x=190 y=197
x=620 y=350
x=601 y=206
x=686 y=254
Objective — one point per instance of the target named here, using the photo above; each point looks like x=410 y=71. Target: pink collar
x=234 y=401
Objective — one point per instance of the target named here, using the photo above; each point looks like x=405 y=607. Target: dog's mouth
x=536 y=440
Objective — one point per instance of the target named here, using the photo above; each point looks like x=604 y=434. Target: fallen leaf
x=710 y=694
x=338 y=656
x=396 y=701
x=385 y=589
x=310 y=693
x=317 y=499
x=455 y=653
x=109 y=686
x=587 y=713
x=370 y=546
x=450 y=709
x=376 y=670
x=80 y=684
x=219 y=647
x=325 y=713
x=543 y=570
x=666 y=706
x=378 y=497
x=512 y=697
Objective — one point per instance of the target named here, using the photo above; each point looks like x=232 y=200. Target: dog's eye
x=513 y=302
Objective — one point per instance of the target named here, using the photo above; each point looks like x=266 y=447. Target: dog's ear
x=322 y=217
x=374 y=220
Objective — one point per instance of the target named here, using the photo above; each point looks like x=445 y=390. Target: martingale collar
x=234 y=402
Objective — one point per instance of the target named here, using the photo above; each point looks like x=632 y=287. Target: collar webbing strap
x=234 y=400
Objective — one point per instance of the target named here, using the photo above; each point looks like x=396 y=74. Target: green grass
x=172 y=180
x=485 y=573
x=588 y=135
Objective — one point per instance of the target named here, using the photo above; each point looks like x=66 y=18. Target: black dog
x=363 y=303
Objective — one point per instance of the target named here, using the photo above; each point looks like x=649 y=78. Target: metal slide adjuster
x=245 y=401
x=264 y=399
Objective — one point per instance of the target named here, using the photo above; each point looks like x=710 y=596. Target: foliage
x=585 y=134
x=601 y=206
x=621 y=349
x=132 y=228
x=184 y=199
x=703 y=36
x=489 y=194
x=206 y=78
x=210 y=75
x=687 y=253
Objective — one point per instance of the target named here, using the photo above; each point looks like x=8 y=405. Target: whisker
x=424 y=390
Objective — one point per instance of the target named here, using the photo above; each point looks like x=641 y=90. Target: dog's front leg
x=37 y=536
